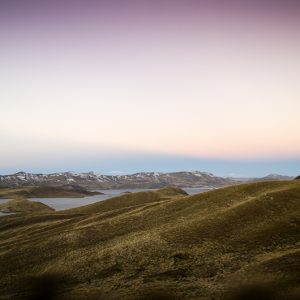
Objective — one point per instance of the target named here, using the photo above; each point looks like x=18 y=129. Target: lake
x=66 y=203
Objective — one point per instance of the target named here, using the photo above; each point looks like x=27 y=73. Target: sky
x=128 y=86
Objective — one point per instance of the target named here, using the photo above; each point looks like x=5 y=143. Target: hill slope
x=68 y=191
x=24 y=206
x=195 y=247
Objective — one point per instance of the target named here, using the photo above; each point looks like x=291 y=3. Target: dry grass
x=44 y=192
x=24 y=206
x=159 y=244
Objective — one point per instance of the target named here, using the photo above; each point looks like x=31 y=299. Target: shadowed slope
x=197 y=246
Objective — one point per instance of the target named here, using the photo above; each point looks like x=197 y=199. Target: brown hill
x=24 y=206
x=147 y=245
x=46 y=192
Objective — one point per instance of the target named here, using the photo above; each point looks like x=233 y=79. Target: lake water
x=66 y=203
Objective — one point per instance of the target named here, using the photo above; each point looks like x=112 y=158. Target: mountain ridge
x=100 y=181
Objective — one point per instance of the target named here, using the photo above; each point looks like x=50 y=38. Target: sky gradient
x=150 y=85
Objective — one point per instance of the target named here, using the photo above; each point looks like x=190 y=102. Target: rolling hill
x=24 y=206
x=68 y=191
x=159 y=245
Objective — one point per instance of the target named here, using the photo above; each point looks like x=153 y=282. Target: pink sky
x=163 y=77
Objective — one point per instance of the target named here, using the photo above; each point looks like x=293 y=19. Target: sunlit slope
x=24 y=206
x=195 y=246
x=67 y=191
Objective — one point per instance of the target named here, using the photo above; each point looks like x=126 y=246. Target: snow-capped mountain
x=98 y=181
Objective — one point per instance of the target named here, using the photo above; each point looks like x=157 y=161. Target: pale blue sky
x=127 y=164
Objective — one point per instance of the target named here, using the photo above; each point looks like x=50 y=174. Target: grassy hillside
x=159 y=245
x=67 y=191
x=24 y=206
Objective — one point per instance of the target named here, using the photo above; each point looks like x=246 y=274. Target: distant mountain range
x=92 y=180
x=273 y=177
x=96 y=181
x=270 y=177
